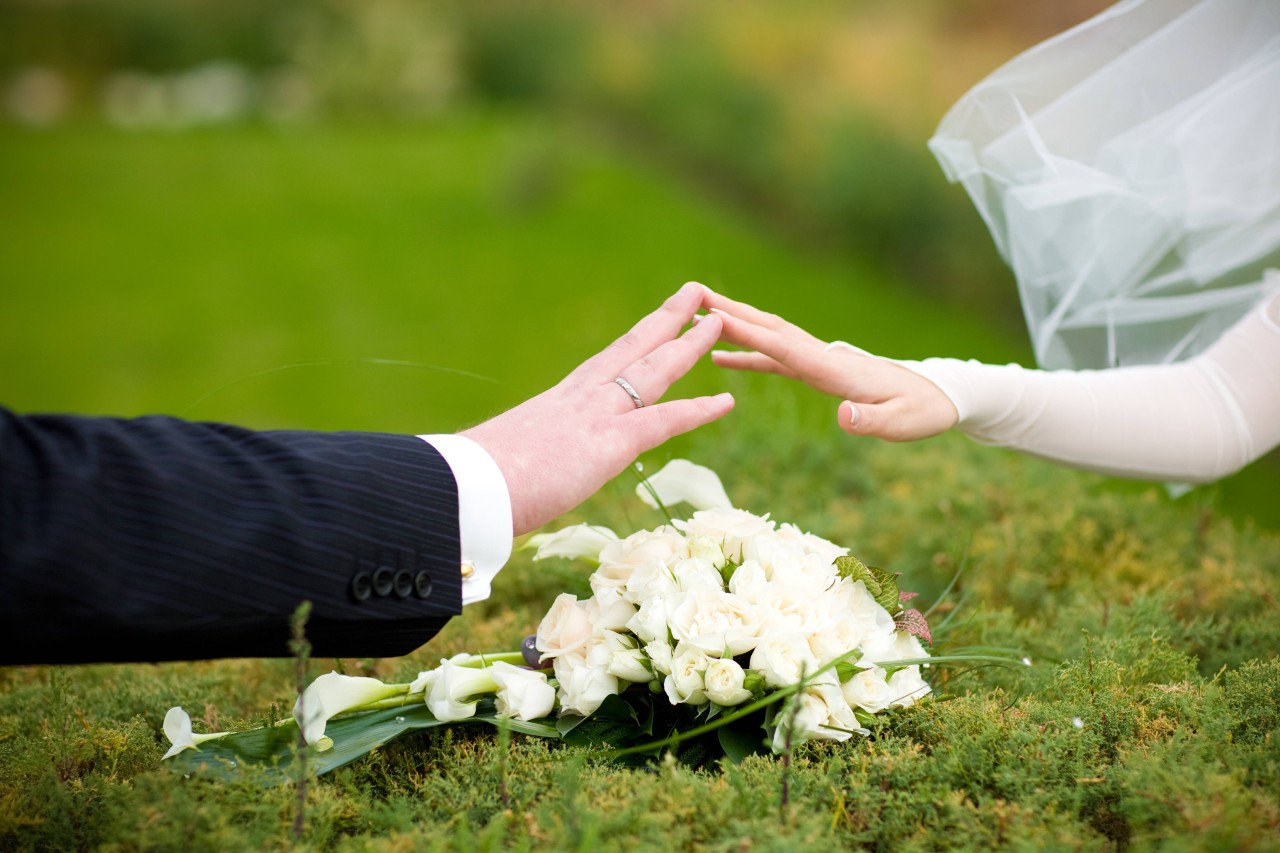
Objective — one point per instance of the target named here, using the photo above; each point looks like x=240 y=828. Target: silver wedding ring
x=631 y=392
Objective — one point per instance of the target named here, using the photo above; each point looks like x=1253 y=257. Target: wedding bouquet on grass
x=723 y=633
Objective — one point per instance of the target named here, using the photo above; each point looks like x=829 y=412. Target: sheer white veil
x=1129 y=171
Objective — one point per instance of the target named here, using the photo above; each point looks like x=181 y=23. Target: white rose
x=619 y=559
x=581 y=541
x=681 y=481
x=713 y=621
x=650 y=621
x=908 y=687
x=785 y=609
x=694 y=574
x=455 y=691
x=821 y=713
x=684 y=685
x=522 y=693
x=705 y=548
x=794 y=567
x=853 y=599
x=333 y=694
x=624 y=660
x=723 y=682
x=749 y=581
x=630 y=665
x=565 y=629
x=660 y=654
x=729 y=527
x=783 y=659
x=839 y=635
x=828 y=551
x=892 y=647
x=766 y=549
x=609 y=610
x=651 y=580
x=869 y=691
x=582 y=686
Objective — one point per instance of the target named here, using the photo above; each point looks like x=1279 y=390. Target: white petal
x=681 y=481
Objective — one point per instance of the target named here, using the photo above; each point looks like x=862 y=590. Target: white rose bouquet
x=725 y=627
x=728 y=610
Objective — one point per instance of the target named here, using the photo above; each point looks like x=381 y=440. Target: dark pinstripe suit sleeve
x=161 y=539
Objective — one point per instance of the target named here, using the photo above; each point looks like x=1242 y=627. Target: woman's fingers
x=753 y=336
x=716 y=302
x=756 y=361
x=800 y=354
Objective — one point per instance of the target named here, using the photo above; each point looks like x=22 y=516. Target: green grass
x=142 y=273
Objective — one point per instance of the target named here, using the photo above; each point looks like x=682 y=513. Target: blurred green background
x=407 y=216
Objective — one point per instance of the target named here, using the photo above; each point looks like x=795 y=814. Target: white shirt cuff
x=484 y=512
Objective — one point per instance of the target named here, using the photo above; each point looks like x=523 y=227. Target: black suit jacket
x=159 y=539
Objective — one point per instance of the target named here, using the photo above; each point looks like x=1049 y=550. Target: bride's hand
x=881 y=398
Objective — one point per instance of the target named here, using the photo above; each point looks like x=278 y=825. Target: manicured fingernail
x=853 y=412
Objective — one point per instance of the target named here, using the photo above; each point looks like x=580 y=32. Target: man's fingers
x=654 y=373
x=651 y=332
x=757 y=361
x=653 y=425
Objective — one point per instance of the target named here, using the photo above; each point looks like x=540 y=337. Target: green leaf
x=883 y=585
x=846 y=669
x=354 y=736
x=615 y=722
x=727 y=570
x=742 y=738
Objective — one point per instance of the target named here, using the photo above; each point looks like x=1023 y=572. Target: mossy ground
x=1148 y=717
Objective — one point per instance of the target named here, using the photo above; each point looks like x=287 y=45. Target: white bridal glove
x=1196 y=421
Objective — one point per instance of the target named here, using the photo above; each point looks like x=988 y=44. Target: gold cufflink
x=467 y=571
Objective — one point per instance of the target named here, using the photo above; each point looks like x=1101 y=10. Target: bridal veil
x=1129 y=171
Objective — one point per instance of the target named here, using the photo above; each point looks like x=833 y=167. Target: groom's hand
x=558 y=448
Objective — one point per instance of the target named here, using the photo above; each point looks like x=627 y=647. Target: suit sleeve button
x=403 y=583
x=422 y=584
x=361 y=586
x=383 y=581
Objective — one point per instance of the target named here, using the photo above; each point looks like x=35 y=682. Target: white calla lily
x=177 y=728
x=332 y=694
x=524 y=694
x=578 y=542
x=681 y=481
x=455 y=691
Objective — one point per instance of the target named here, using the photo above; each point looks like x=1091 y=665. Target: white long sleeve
x=1195 y=421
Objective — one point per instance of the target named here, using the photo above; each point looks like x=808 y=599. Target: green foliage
x=1149 y=621
x=882 y=585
